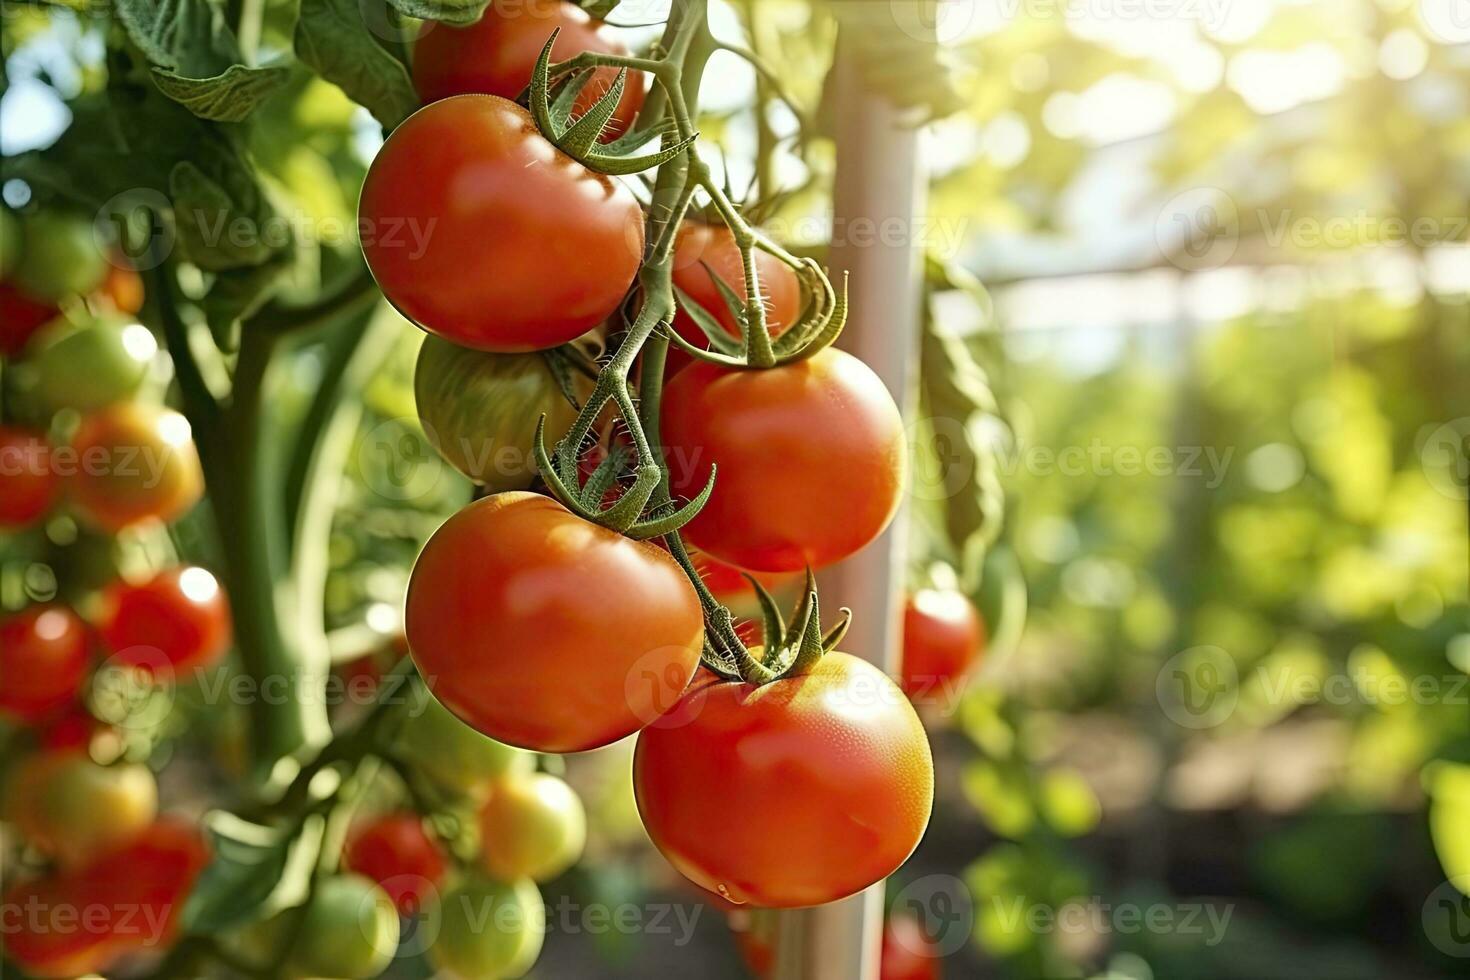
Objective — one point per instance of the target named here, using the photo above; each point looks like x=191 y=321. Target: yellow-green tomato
x=453 y=753
x=88 y=366
x=74 y=809
x=59 y=256
x=488 y=930
x=349 y=930
x=531 y=826
x=480 y=410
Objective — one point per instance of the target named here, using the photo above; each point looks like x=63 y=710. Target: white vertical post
x=878 y=201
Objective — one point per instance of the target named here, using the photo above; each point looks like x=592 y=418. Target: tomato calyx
x=789 y=650
x=579 y=138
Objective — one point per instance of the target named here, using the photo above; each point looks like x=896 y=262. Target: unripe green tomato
x=86 y=367
x=9 y=242
x=480 y=410
x=349 y=930
x=488 y=930
x=59 y=256
x=453 y=753
x=531 y=826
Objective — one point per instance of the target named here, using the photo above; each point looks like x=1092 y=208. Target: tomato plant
x=44 y=653
x=176 y=620
x=74 y=809
x=59 y=256
x=455 y=754
x=467 y=183
x=488 y=929
x=835 y=759
x=495 y=55
x=628 y=635
x=480 y=410
x=531 y=826
x=136 y=462
x=707 y=251
x=811 y=459
x=349 y=929
x=943 y=636
x=396 y=851
x=29 y=484
x=89 y=366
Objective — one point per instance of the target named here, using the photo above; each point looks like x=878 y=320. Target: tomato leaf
x=457 y=12
x=332 y=39
x=212 y=231
x=249 y=867
x=227 y=97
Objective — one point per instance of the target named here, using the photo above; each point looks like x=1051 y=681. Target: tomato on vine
x=704 y=252
x=349 y=929
x=488 y=929
x=44 y=655
x=834 y=760
x=29 y=484
x=136 y=462
x=396 y=851
x=177 y=620
x=811 y=459
x=531 y=826
x=483 y=232
x=74 y=809
x=59 y=256
x=40 y=944
x=454 y=754
x=495 y=55
x=567 y=636
x=943 y=636
x=87 y=366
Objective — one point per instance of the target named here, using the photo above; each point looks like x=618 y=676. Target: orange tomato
x=135 y=462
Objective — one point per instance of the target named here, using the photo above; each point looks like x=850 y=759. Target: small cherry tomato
x=135 y=462
x=942 y=637
x=481 y=231
x=87 y=367
x=74 y=809
x=835 y=761
x=59 y=256
x=21 y=317
x=531 y=826
x=29 y=485
x=177 y=620
x=38 y=917
x=567 y=636
x=488 y=929
x=122 y=287
x=395 y=851
x=811 y=459
x=480 y=410
x=349 y=930
x=495 y=55
x=43 y=662
x=452 y=752
x=908 y=953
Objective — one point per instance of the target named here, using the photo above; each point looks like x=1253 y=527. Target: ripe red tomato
x=531 y=826
x=28 y=483
x=43 y=662
x=495 y=55
x=908 y=954
x=74 y=809
x=546 y=631
x=177 y=620
x=942 y=637
x=700 y=245
x=39 y=919
x=811 y=459
x=395 y=851
x=482 y=232
x=21 y=316
x=135 y=462
x=143 y=885
x=835 y=760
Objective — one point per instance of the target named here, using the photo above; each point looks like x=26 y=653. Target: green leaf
x=249 y=866
x=212 y=231
x=332 y=39
x=445 y=11
x=188 y=36
x=599 y=9
x=227 y=97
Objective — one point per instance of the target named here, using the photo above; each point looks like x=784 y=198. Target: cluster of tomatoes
x=90 y=444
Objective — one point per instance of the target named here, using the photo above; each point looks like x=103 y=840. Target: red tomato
x=176 y=620
x=135 y=462
x=495 y=55
x=43 y=662
x=484 y=233
x=548 y=632
x=21 y=316
x=942 y=637
x=44 y=933
x=908 y=954
x=835 y=761
x=811 y=459
x=700 y=245
x=395 y=851
x=28 y=483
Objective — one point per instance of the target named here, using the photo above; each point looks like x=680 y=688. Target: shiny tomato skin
x=396 y=851
x=811 y=459
x=136 y=462
x=495 y=55
x=942 y=638
x=482 y=232
x=548 y=632
x=44 y=654
x=836 y=761
x=29 y=484
x=21 y=317
x=703 y=247
x=177 y=620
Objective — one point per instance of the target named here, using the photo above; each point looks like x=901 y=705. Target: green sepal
x=712 y=328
